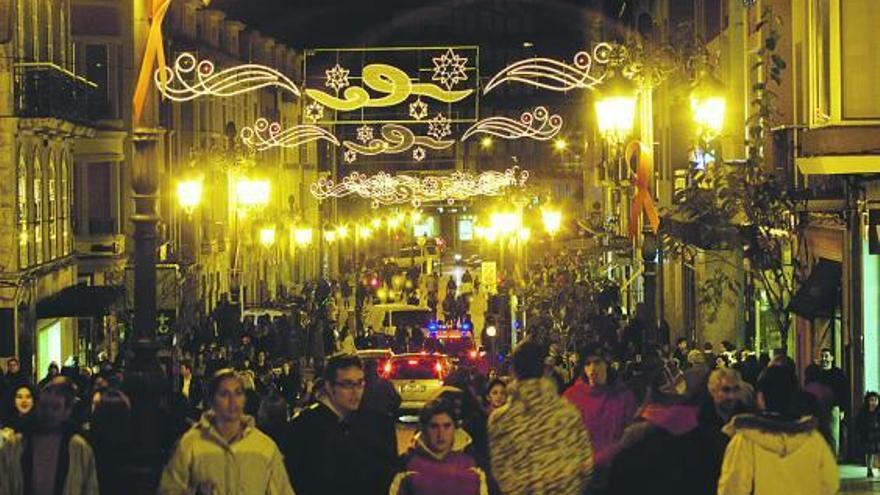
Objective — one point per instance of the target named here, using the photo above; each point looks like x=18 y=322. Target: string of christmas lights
x=264 y=135
x=538 y=124
x=394 y=139
x=552 y=74
x=385 y=189
x=190 y=78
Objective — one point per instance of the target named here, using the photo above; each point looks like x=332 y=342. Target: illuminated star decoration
x=314 y=111
x=419 y=154
x=552 y=74
x=449 y=69
x=394 y=139
x=350 y=156
x=538 y=124
x=418 y=109
x=385 y=189
x=364 y=134
x=337 y=78
x=264 y=135
x=189 y=79
x=439 y=127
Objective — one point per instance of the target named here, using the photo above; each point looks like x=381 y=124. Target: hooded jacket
x=770 y=455
x=252 y=464
x=605 y=410
x=427 y=473
x=76 y=474
x=537 y=442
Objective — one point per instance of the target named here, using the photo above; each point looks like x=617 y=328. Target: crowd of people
x=695 y=426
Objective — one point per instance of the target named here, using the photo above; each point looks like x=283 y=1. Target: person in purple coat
x=438 y=462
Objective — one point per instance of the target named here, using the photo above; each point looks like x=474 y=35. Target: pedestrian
x=110 y=435
x=662 y=451
x=14 y=375
x=190 y=387
x=868 y=429
x=439 y=462
x=50 y=457
x=379 y=394
x=224 y=453
x=537 y=441
x=335 y=448
x=19 y=407
x=777 y=450
x=496 y=395
x=605 y=404
x=51 y=373
x=346 y=341
x=835 y=379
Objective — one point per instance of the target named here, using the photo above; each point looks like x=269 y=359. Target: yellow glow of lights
x=486 y=142
x=524 y=234
x=552 y=221
x=560 y=144
x=415 y=216
x=538 y=124
x=376 y=223
x=267 y=236
x=616 y=115
x=491 y=331
x=342 y=231
x=394 y=221
x=302 y=236
x=330 y=235
x=189 y=194
x=552 y=74
x=708 y=115
x=364 y=232
x=505 y=223
x=252 y=192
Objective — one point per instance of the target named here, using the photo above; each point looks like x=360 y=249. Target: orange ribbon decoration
x=154 y=51
x=642 y=201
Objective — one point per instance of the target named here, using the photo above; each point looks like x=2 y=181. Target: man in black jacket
x=335 y=446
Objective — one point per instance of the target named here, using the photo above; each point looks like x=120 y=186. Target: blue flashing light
x=432 y=326
x=466 y=326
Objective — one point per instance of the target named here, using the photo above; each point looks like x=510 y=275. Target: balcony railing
x=45 y=90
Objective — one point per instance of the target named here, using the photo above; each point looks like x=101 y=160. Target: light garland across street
x=190 y=78
x=264 y=135
x=538 y=124
x=386 y=189
x=554 y=75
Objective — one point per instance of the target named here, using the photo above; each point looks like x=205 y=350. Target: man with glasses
x=336 y=447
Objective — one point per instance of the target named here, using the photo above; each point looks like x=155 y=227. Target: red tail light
x=473 y=354
x=387 y=368
x=412 y=361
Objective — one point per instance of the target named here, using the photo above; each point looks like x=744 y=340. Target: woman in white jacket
x=776 y=451
x=224 y=453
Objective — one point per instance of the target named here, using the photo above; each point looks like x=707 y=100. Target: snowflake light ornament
x=314 y=111
x=419 y=154
x=439 y=127
x=365 y=134
x=449 y=69
x=337 y=77
x=418 y=109
x=350 y=156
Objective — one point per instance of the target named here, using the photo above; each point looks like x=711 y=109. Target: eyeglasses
x=347 y=385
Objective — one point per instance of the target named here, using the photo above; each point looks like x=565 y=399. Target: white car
x=385 y=318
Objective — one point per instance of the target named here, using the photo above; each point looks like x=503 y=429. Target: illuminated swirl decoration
x=538 y=124
x=385 y=189
x=394 y=139
x=552 y=74
x=190 y=79
x=264 y=135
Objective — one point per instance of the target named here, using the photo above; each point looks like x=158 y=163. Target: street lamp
x=189 y=194
x=267 y=237
x=560 y=144
x=302 y=237
x=616 y=108
x=552 y=221
x=708 y=106
x=252 y=193
x=486 y=143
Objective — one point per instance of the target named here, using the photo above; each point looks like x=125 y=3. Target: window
x=100 y=212
x=22 y=210
x=859 y=61
x=821 y=60
x=38 y=208
x=97 y=71
x=52 y=209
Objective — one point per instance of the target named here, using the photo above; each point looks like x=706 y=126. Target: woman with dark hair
x=110 y=436
x=496 y=395
x=224 y=452
x=272 y=419
x=19 y=409
x=439 y=462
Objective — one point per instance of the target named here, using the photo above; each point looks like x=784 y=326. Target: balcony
x=45 y=90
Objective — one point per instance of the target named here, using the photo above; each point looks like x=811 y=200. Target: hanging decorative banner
x=394 y=139
x=264 y=135
x=642 y=200
x=393 y=85
x=538 y=124
x=190 y=79
x=153 y=53
x=552 y=74
x=387 y=79
x=385 y=189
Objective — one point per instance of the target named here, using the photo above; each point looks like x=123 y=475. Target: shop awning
x=820 y=294
x=82 y=301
